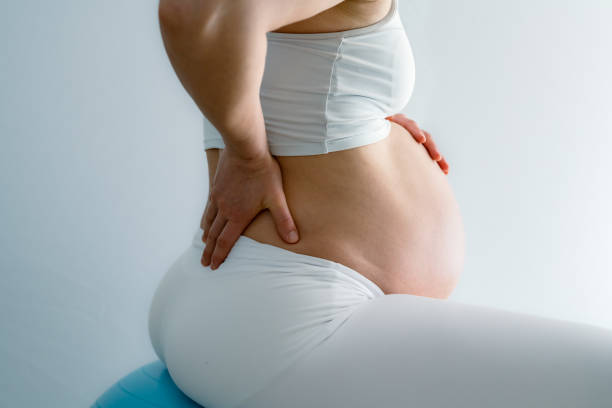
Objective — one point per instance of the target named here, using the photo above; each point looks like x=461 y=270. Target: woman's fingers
x=408 y=124
x=283 y=220
x=421 y=136
x=213 y=233
x=225 y=241
x=242 y=187
x=207 y=218
x=443 y=165
x=431 y=147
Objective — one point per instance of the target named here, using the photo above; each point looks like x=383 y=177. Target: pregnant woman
x=302 y=133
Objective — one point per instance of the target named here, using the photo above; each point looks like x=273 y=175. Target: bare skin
x=385 y=209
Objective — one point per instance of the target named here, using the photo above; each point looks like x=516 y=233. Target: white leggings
x=273 y=328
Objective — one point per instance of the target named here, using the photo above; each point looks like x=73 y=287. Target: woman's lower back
x=384 y=209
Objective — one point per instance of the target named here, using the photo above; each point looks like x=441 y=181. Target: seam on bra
x=332 y=86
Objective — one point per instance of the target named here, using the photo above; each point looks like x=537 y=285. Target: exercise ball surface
x=147 y=387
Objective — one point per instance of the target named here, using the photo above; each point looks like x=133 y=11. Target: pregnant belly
x=385 y=210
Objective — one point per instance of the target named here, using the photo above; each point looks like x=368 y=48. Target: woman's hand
x=242 y=188
x=421 y=136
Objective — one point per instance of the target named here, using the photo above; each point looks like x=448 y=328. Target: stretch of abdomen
x=384 y=209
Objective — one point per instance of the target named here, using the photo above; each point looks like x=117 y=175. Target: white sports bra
x=323 y=92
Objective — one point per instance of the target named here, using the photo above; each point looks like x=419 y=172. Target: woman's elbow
x=170 y=12
x=183 y=14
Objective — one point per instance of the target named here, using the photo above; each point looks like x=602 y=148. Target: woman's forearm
x=219 y=56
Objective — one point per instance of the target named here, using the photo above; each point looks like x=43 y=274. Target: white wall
x=518 y=96
x=103 y=181
x=103 y=177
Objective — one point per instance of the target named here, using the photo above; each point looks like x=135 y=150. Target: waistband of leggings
x=267 y=251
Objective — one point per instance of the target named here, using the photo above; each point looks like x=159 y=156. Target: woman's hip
x=228 y=331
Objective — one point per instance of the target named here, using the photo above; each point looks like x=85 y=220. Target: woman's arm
x=218 y=49
x=219 y=58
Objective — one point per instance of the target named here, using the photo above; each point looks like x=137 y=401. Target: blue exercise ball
x=147 y=387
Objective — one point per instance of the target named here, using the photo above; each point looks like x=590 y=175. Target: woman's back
x=383 y=208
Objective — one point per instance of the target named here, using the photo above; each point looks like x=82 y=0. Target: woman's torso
x=384 y=209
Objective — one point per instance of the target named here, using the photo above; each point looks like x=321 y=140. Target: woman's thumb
x=284 y=221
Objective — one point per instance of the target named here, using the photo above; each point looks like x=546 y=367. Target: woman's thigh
x=410 y=351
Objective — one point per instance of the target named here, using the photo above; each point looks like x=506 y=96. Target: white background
x=103 y=175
